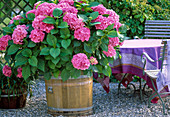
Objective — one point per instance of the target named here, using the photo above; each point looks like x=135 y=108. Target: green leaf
x=99 y=68
x=112 y=34
x=41 y=65
x=123 y=29
x=31 y=44
x=77 y=43
x=51 y=40
x=94 y=23
x=33 y=69
x=65 y=33
x=26 y=72
x=56 y=74
x=33 y=61
x=54 y=52
x=65 y=74
x=47 y=75
x=63 y=25
x=100 y=33
x=94 y=15
x=105 y=15
x=7 y=29
x=45 y=51
x=55 y=61
x=103 y=61
x=69 y=66
x=84 y=17
x=57 y=12
x=20 y=60
x=92 y=4
x=27 y=52
x=51 y=65
x=104 y=47
x=65 y=43
x=107 y=71
x=31 y=16
x=13 y=49
x=53 y=31
x=87 y=48
x=49 y=20
x=16 y=22
x=75 y=73
x=110 y=27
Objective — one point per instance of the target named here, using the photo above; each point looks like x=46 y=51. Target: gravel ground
x=104 y=105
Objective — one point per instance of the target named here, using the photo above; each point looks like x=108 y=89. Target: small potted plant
x=13 y=87
x=65 y=41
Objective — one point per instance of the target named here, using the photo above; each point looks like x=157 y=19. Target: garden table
x=131 y=62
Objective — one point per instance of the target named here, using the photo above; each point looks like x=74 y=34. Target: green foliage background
x=133 y=13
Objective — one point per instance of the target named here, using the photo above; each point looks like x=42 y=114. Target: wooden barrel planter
x=12 y=101
x=70 y=98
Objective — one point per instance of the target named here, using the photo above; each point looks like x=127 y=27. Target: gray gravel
x=104 y=105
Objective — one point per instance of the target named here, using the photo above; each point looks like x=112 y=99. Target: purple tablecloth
x=131 y=62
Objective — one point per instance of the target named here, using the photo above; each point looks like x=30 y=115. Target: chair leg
x=158 y=96
x=140 y=88
x=121 y=82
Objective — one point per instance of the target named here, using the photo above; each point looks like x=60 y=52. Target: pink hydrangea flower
x=117 y=25
x=4 y=41
x=93 y=60
x=73 y=21
x=38 y=24
x=31 y=11
x=71 y=2
x=114 y=41
x=45 y=9
x=17 y=17
x=65 y=7
x=104 y=22
x=19 y=70
x=100 y=8
x=37 y=35
x=80 y=61
x=111 y=51
x=82 y=34
x=7 y=71
x=19 y=34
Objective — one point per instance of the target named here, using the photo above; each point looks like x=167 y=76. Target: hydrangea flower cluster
x=111 y=51
x=38 y=24
x=37 y=35
x=106 y=21
x=19 y=70
x=18 y=17
x=114 y=41
x=19 y=34
x=80 y=61
x=82 y=34
x=73 y=21
x=4 y=42
x=7 y=71
x=93 y=60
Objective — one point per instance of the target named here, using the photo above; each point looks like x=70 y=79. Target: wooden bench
x=157 y=29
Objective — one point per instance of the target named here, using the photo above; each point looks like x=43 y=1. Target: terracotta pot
x=12 y=101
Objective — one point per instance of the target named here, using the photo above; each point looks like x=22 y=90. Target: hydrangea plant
x=63 y=37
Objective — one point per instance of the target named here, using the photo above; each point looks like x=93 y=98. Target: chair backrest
x=164 y=53
x=157 y=29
